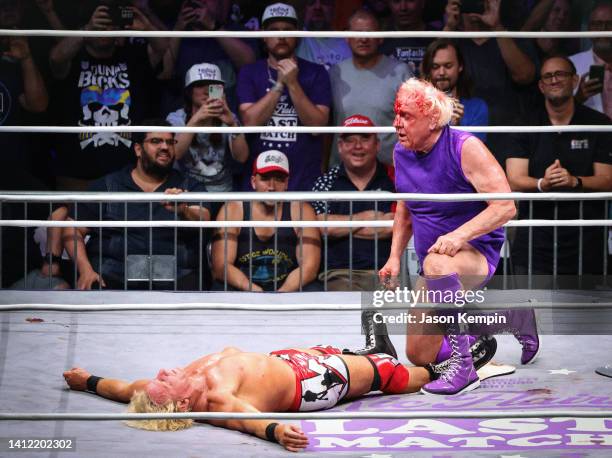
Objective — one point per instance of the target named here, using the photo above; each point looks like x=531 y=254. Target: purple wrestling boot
x=458 y=372
x=482 y=348
x=524 y=327
x=521 y=323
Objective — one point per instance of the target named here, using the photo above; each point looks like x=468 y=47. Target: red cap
x=271 y=161
x=358 y=120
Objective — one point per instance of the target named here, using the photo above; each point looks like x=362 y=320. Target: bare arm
x=87 y=274
x=62 y=54
x=522 y=69
x=518 y=176
x=371 y=233
x=260 y=112
x=359 y=232
x=47 y=9
x=289 y=436
x=309 y=113
x=238 y=51
x=310 y=258
x=220 y=262
x=114 y=389
x=538 y=16
x=35 y=98
x=486 y=175
x=402 y=231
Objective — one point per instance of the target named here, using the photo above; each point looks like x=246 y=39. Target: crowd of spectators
x=107 y=81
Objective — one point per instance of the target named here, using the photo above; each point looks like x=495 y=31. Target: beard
x=444 y=85
x=151 y=167
x=558 y=100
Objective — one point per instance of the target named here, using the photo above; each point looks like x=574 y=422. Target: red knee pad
x=390 y=376
x=329 y=350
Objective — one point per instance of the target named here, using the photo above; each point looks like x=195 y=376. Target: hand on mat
x=291 y=437
x=76 y=378
x=448 y=244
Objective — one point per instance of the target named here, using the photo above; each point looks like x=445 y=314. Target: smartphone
x=472 y=6
x=597 y=72
x=121 y=15
x=215 y=91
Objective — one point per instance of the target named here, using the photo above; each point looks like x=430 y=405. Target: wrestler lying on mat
x=237 y=381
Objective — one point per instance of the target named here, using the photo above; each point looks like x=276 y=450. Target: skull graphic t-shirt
x=102 y=92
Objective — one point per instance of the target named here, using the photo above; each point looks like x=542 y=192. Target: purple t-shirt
x=440 y=172
x=304 y=150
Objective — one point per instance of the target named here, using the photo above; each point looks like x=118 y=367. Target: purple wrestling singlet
x=439 y=172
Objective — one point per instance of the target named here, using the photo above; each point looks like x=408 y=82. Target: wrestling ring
x=558 y=406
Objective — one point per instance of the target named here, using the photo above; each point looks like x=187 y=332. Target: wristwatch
x=578 y=183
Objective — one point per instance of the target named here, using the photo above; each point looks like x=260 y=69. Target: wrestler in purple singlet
x=440 y=172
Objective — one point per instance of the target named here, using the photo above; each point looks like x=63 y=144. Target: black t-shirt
x=576 y=151
x=138 y=241
x=408 y=50
x=102 y=92
x=363 y=250
x=492 y=79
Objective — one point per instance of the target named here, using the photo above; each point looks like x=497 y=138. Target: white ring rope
x=296 y=34
x=305 y=307
x=279 y=224
x=419 y=414
x=291 y=129
x=306 y=196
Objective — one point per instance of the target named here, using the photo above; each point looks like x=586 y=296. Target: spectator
x=22 y=88
x=502 y=68
x=444 y=66
x=358 y=171
x=204 y=156
x=557 y=162
x=154 y=172
x=594 y=93
x=101 y=84
x=284 y=90
x=325 y=51
x=407 y=15
x=283 y=259
x=49 y=275
x=367 y=83
x=552 y=16
x=228 y=53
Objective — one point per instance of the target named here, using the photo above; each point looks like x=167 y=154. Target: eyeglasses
x=158 y=141
x=560 y=75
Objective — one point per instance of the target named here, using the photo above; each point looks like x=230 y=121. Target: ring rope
x=530 y=304
x=291 y=129
x=280 y=224
x=423 y=414
x=296 y=34
x=308 y=196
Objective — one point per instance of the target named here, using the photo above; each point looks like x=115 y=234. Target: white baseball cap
x=203 y=72
x=271 y=161
x=279 y=11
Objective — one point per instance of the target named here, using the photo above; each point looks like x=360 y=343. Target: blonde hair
x=141 y=403
x=430 y=102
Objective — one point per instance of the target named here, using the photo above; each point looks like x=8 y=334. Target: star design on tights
x=560 y=372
